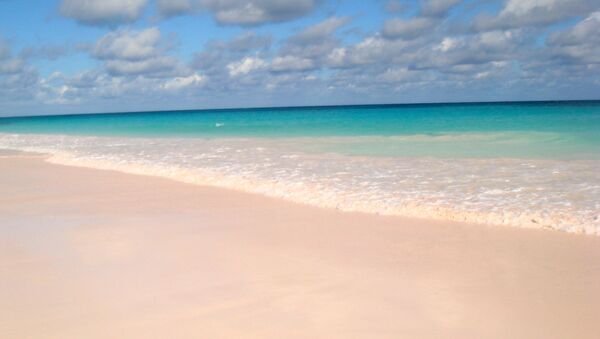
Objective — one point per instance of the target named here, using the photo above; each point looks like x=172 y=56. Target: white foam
x=554 y=194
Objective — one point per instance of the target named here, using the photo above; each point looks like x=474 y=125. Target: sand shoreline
x=528 y=193
x=93 y=254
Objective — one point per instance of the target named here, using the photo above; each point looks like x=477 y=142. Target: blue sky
x=79 y=56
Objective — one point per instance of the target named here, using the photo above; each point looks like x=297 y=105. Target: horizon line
x=303 y=107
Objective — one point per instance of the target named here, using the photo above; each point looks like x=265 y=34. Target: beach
x=527 y=165
x=87 y=253
x=299 y=169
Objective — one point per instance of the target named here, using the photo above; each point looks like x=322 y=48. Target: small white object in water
x=219 y=124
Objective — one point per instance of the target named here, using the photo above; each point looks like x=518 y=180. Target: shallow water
x=465 y=167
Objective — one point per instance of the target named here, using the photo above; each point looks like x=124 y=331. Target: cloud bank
x=436 y=50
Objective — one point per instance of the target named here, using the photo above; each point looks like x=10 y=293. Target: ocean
x=524 y=164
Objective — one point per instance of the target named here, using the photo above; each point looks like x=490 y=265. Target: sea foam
x=535 y=193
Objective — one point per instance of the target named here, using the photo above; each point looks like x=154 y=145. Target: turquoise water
x=536 y=129
x=518 y=164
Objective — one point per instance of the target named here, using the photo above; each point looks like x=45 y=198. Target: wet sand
x=98 y=254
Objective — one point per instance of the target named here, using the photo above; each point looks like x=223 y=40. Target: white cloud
x=103 y=12
x=245 y=66
x=524 y=7
x=437 y=8
x=314 y=42
x=337 y=57
x=399 y=74
x=320 y=31
x=255 y=12
x=178 y=83
x=523 y=13
x=156 y=66
x=57 y=95
x=424 y=49
x=585 y=31
x=448 y=44
x=408 y=29
x=478 y=48
x=291 y=63
x=126 y=44
x=131 y=53
x=579 y=44
x=11 y=66
x=372 y=49
x=241 y=12
x=245 y=42
x=169 y=8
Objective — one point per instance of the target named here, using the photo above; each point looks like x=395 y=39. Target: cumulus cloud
x=18 y=80
x=429 y=16
x=320 y=31
x=434 y=57
x=523 y=13
x=129 y=52
x=100 y=88
x=310 y=47
x=291 y=63
x=103 y=12
x=374 y=49
x=407 y=29
x=245 y=66
x=230 y=65
x=179 y=83
x=247 y=41
x=474 y=49
x=240 y=12
x=516 y=50
x=579 y=44
x=217 y=54
x=95 y=83
x=54 y=91
x=256 y=12
x=247 y=61
x=8 y=63
x=134 y=64
x=162 y=66
x=437 y=8
x=11 y=66
x=168 y=8
x=126 y=44
x=585 y=31
x=402 y=74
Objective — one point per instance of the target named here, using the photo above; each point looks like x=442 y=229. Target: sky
x=88 y=56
